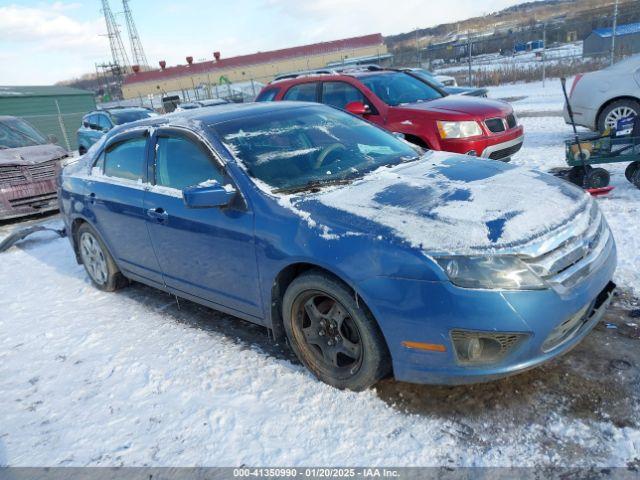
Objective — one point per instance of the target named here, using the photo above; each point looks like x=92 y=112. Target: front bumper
x=28 y=199
x=426 y=312
x=496 y=147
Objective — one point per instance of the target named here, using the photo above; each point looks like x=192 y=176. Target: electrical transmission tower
x=137 y=51
x=119 y=54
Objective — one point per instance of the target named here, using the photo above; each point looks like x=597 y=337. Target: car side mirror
x=357 y=108
x=208 y=196
x=52 y=139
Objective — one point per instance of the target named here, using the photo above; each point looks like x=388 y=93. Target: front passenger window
x=126 y=159
x=339 y=94
x=182 y=163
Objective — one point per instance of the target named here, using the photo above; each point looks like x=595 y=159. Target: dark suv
x=423 y=113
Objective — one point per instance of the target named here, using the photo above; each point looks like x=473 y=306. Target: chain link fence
x=535 y=52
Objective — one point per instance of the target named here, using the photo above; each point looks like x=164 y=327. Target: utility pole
x=544 y=53
x=469 y=52
x=417 y=49
x=613 y=32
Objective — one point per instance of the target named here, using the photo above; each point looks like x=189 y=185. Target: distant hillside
x=582 y=14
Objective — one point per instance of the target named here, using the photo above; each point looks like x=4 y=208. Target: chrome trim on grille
x=576 y=257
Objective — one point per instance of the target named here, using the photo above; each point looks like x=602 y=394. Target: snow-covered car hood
x=31 y=155
x=448 y=203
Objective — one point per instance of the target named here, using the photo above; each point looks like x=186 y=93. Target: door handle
x=159 y=214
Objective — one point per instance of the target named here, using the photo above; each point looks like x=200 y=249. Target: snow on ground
x=570 y=52
x=533 y=98
x=127 y=378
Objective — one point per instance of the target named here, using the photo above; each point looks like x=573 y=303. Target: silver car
x=599 y=99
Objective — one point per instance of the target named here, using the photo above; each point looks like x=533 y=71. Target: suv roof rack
x=329 y=71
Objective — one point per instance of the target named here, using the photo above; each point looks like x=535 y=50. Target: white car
x=599 y=99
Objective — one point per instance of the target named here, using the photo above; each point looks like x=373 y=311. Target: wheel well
x=75 y=225
x=279 y=287
x=416 y=140
x=609 y=102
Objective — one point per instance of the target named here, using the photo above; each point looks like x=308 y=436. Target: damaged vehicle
x=369 y=255
x=29 y=163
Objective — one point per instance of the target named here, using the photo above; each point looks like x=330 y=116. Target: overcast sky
x=44 y=42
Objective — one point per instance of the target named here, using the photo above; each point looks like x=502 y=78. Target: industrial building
x=53 y=110
x=261 y=66
x=627 y=40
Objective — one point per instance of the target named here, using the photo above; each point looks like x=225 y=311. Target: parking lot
x=135 y=378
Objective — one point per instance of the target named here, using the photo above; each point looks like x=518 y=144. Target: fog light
x=483 y=347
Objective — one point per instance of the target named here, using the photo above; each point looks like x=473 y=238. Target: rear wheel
x=334 y=336
x=597 y=178
x=97 y=260
x=576 y=175
x=613 y=112
x=631 y=169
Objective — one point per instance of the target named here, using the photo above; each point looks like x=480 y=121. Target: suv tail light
x=575 y=82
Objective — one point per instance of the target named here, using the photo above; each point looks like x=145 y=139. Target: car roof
x=212 y=116
x=327 y=77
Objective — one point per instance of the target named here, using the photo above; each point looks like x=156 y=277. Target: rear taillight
x=575 y=82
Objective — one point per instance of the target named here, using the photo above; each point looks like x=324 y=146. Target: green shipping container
x=53 y=110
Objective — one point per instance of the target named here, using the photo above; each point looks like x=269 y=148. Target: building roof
x=621 y=30
x=256 y=58
x=40 y=91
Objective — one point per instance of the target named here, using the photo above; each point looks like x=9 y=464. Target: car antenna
x=563 y=82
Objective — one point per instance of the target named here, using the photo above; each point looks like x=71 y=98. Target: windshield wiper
x=315 y=184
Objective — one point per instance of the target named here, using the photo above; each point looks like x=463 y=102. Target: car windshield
x=312 y=146
x=399 y=88
x=427 y=76
x=128 y=116
x=15 y=133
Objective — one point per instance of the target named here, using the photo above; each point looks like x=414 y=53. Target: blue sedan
x=368 y=255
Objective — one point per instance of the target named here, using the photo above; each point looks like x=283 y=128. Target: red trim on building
x=257 y=58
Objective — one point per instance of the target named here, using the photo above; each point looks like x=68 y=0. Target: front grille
x=21 y=174
x=511 y=121
x=505 y=152
x=495 y=125
x=576 y=258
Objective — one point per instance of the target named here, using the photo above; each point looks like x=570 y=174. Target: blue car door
x=115 y=196
x=205 y=252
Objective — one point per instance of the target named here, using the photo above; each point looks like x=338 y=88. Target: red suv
x=402 y=103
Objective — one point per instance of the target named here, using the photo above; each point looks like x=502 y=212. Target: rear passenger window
x=181 y=163
x=305 y=92
x=126 y=159
x=338 y=94
x=267 y=95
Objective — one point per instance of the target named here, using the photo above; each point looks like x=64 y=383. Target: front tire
x=334 y=336
x=97 y=260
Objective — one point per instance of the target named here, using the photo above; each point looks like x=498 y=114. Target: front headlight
x=494 y=273
x=458 y=129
